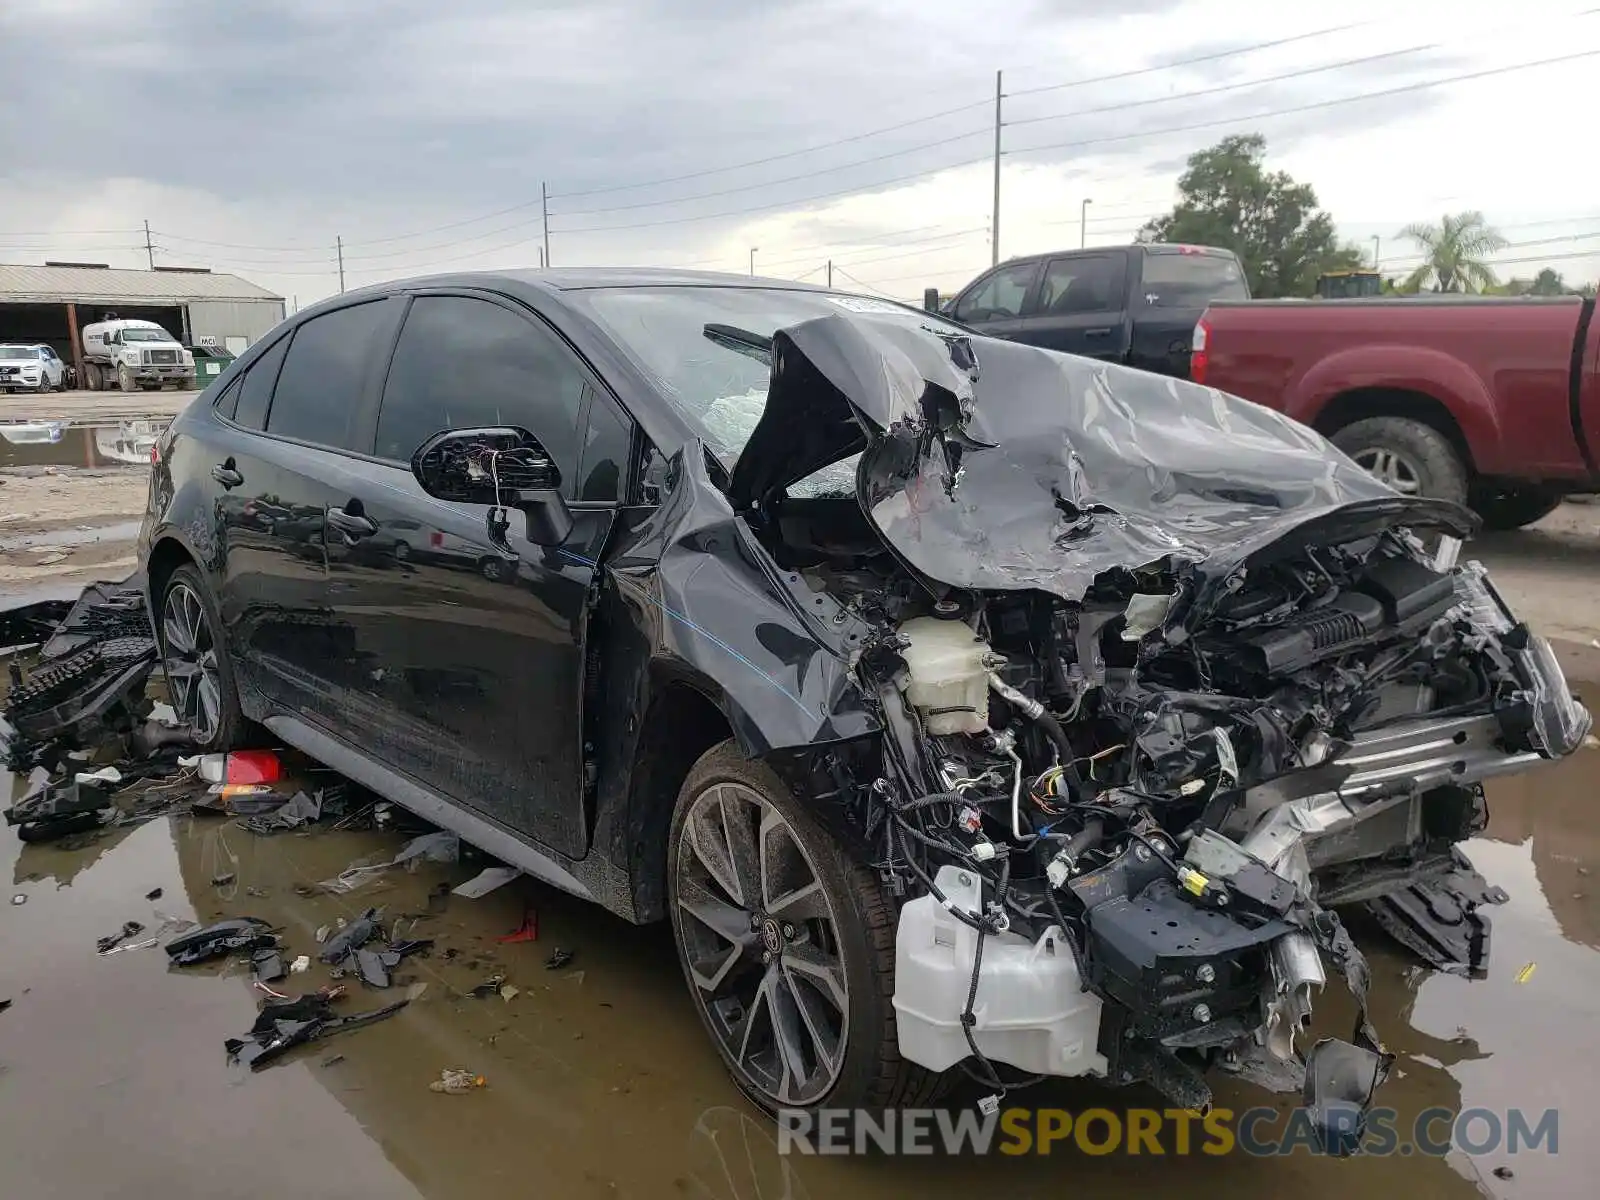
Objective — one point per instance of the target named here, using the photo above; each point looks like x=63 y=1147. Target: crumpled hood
x=990 y=465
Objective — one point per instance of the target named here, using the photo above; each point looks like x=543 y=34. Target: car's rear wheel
x=1412 y=458
x=200 y=680
x=786 y=942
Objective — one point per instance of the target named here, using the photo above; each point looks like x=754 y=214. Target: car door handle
x=226 y=474
x=1105 y=332
x=356 y=524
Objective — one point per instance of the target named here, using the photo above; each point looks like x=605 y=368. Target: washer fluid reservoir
x=947 y=680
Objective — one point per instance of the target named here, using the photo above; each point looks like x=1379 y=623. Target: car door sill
x=486 y=835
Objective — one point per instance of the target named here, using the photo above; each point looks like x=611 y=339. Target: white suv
x=32 y=368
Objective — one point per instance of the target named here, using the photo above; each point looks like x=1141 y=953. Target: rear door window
x=464 y=363
x=256 y=391
x=1176 y=279
x=319 y=394
x=1084 y=283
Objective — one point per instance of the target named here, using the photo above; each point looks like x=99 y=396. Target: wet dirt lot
x=113 y=1079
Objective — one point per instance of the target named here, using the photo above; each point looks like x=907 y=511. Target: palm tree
x=1455 y=250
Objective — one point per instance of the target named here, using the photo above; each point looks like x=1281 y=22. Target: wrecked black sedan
x=961 y=704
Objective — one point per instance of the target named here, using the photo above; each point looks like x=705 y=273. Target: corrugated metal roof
x=20 y=283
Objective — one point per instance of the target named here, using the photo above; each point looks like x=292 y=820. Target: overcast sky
x=253 y=133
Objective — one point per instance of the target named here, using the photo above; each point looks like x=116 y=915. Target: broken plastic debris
x=322 y=933
x=353 y=936
x=558 y=960
x=153 y=894
x=453 y=1082
x=528 y=931
x=300 y=965
x=485 y=881
x=1526 y=973
x=281 y=1027
x=225 y=937
x=510 y=992
x=128 y=930
x=103 y=775
x=241 y=766
x=300 y=811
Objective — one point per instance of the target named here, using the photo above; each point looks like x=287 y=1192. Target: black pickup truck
x=1135 y=305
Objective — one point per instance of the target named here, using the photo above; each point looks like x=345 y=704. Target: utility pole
x=1083 y=224
x=830 y=272
x=544 y=210
x=149 y=250
x=753 y=250
x=1375 y=245
x=994 y=231
x=338 y=245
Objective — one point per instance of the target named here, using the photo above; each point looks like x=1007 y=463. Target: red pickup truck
x=1490 y=402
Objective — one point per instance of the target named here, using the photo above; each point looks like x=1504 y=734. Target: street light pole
x=1083 y=224
x=753 y=250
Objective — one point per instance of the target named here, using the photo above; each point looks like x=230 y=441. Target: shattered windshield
x=719 y=387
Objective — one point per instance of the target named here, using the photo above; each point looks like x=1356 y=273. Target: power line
x=986 y=130
x=1215 y=56
x=1299 y=73
x=1422 y=85
x=786 y=155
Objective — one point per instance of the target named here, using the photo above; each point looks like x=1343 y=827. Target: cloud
x=252 y=133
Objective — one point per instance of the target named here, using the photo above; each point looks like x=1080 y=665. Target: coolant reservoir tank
x=947 y=680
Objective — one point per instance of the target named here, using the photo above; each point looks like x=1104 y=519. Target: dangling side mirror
x=497 y=466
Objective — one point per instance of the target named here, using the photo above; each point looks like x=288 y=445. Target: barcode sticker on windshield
x=861 y=304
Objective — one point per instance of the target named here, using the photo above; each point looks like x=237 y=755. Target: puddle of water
x=600 y=1081
x=106 y=444
x=122 y=531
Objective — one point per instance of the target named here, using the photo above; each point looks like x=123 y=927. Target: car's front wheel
x=786 y=942
x=200 y=680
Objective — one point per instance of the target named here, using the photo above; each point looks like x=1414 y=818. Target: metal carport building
x=51 y=303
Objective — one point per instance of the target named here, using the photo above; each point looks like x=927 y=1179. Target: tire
x=492 y=569
x=402 y=551
x=852 y=1062
x=1513 y=508
x=1413 y=458
x=91 y=374
x=125 y=379
x=184 y=600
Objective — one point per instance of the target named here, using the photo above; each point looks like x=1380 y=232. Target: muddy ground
x=113 y=1080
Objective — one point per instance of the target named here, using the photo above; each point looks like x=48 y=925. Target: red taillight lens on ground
x=1199 y=355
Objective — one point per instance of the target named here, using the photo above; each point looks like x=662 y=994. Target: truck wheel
x=125 y=379
x=1513 y=508
x=91 y=376
x=1412 y=458
x=787 y=944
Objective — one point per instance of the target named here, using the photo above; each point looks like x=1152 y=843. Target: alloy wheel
x=1398 y=471
x=189 y=654
x=759 y=937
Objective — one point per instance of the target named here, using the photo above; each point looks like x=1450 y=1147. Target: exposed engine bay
x=1119 y=817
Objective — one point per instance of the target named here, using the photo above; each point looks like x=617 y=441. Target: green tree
x=1228 y=198
x=1454 y=252
x=1548 y=282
